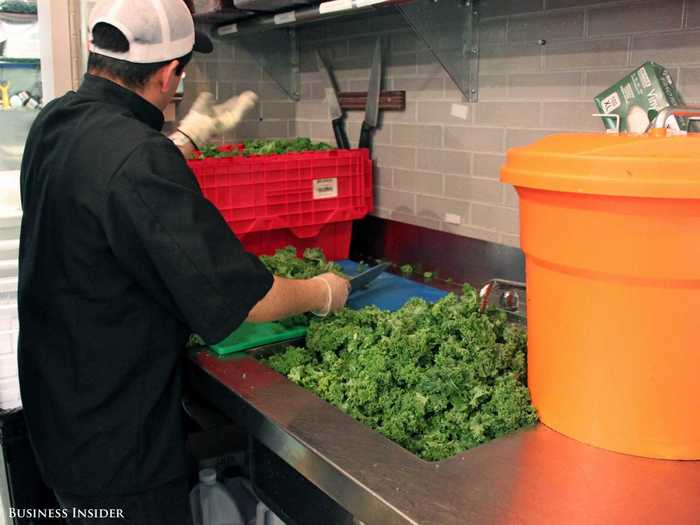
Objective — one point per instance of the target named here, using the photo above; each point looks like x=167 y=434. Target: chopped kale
x=406 y=269
x=435 y=378
x=263 y=147
x=285 y=263
x=280 y=146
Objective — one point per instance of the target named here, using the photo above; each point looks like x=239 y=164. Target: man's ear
x=169 y=75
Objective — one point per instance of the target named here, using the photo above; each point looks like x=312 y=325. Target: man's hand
x=231 y=112
x=337 y=290
x=206 y=119
x=324 y=294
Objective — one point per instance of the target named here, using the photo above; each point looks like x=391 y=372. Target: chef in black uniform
x=121 y=257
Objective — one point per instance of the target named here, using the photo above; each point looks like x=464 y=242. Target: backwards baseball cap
x=157 y=30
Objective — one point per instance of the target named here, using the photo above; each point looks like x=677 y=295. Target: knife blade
x=341 y=137
x=360 y=281
x=373 y=93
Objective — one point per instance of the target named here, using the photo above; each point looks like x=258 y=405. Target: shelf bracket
x=450 y=30
x=278 y=55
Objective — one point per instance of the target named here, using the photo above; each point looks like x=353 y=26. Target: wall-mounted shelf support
x=448 y=27
x=278 y=54
x=450 y=30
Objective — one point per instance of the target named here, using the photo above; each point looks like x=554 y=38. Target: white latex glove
x=338 y=290
x=206 y=119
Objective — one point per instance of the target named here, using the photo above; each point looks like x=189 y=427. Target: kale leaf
x=285 y=263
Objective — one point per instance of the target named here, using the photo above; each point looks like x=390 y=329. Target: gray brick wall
x=430 y=162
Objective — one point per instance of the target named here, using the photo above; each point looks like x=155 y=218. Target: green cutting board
x=253 y=335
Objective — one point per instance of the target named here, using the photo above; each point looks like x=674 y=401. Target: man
x=121 y=257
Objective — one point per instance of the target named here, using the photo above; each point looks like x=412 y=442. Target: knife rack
x=388 y=100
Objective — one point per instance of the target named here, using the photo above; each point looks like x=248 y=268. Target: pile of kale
x=258 y=147
x=281 y=146
x=435 y=378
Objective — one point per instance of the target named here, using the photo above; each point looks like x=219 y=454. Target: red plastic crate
x=303 y=199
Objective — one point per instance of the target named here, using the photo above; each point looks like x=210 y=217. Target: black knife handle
x=341 y=138
x=366 y=137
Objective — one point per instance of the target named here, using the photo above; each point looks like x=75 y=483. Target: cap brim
x=202 y=43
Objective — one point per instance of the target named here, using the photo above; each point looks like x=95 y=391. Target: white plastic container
x=265 y=516
x=211 y=503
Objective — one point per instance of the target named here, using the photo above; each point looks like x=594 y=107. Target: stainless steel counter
x=533 y=476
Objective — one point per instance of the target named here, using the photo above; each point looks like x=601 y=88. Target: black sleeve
x=176 y=244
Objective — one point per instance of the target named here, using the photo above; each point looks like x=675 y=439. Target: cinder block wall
x=429 y=162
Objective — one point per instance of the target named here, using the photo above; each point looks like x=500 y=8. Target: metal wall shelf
x=449 y=29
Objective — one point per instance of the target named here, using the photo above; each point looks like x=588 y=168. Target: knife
x=360 y=281
x=373 y=92
x=341 y=137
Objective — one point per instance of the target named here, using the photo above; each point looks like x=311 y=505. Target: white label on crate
x=460 y=111
x=285 y=18
x=335 y=5
x=228 y=30
x=325 y=188
x=611 y=103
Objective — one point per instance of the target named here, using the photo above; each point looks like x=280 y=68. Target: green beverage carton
x=645 y=91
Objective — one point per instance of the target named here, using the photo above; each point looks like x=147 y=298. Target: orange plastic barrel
x=610 y=228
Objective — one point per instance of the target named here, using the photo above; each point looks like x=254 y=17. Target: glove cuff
x=329 y=303
x=198 y=127
x=188 y=137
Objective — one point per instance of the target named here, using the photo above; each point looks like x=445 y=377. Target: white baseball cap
x=157 y=30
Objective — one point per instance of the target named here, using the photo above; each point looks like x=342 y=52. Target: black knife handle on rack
x=366 y=137
x=341 y=139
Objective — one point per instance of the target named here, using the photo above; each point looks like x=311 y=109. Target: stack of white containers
x=10 y=218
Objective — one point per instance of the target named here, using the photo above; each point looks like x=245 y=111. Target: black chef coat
x=120 y=258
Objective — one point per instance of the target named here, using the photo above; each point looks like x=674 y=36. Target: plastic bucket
x=610 y=227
